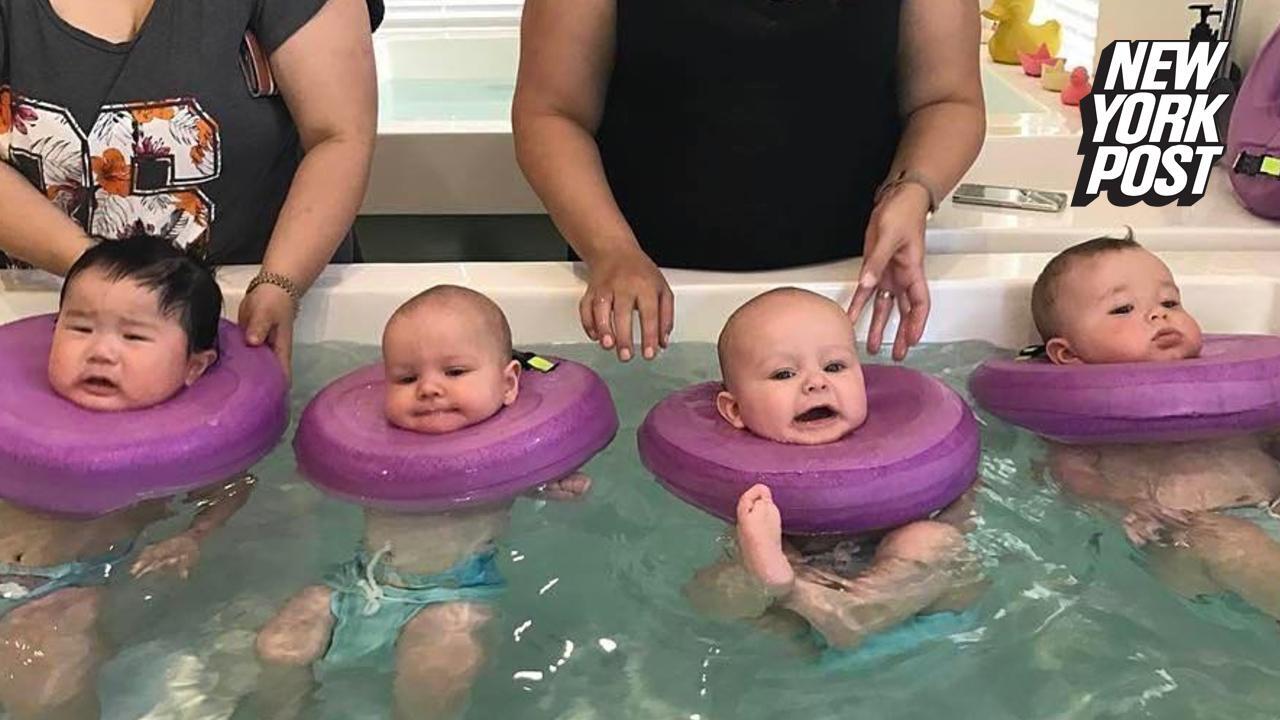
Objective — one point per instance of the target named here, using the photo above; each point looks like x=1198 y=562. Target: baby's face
x=795 y=374
x=1122 y=307
x=114 y=350
x=443 y=372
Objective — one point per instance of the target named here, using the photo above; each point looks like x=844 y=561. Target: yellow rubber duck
x=1014 y=34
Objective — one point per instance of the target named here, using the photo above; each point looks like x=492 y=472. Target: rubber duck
x=1078 y=86
x=1053 y=76
x=1013 y=33
x=1031 y=62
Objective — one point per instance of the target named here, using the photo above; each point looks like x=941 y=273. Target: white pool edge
x=975 y=297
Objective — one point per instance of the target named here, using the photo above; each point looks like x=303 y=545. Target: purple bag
x=1253 y=137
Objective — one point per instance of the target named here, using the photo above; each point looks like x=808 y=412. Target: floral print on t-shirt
x=140 y=167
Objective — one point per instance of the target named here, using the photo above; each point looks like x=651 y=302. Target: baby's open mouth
x=98 y=384
x=817 y=414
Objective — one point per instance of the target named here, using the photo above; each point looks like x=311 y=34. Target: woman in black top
x=746 y=135
x=243 y=128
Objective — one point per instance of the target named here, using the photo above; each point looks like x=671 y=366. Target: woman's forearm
x=320 y=208
x=34 y=230
x=940 y=142
x=562 y=163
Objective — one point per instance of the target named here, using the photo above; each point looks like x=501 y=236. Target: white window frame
x=450 y=14
x=1079 y=19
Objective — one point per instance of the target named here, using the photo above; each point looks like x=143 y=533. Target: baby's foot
x=569 y=488
x=760 y=539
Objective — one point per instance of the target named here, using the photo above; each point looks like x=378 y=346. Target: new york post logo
x=1149 y=134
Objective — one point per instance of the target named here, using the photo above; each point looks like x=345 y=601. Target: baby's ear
x=727 y=404
x=1061 y=353
x=511 y=382
x=198 y=364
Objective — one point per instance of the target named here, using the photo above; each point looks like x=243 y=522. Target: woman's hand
x=621 y=283
x=893 y=269
x=266 y=316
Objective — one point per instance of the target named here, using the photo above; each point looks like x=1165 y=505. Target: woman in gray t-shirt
x=241 y=127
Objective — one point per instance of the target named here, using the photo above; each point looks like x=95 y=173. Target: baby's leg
x=438 y=655
x=914 y=569
x=760 y=540
x=1238 y=556
x=50 y=652
x=287 y=646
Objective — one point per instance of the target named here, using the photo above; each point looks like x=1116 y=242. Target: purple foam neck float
x=60 y=458
x=916 y=453
x=346 y=446
x=1232 y=388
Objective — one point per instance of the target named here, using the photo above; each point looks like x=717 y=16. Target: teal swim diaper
x=1266 y=517
x=371 y=602
x=905 y=638
x=20 y=584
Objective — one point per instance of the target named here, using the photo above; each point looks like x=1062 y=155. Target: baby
x=421 y=582
x=137 y=323
x=1109 y=300
x=791 y=375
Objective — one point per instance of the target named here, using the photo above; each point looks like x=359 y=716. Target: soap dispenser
x=1201 y=31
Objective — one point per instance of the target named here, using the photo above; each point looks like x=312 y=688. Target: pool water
x=407 y=99
x=489 y=99
x=595 y=626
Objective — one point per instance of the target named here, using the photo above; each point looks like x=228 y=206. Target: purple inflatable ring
x=916 y=453
x=60 y=458
x=1232 y=388
x=346 y=447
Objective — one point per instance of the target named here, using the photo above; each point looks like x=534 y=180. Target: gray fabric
x=160 y=134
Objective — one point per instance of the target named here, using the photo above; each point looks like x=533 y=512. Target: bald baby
x=790 y=369
x=447 y=355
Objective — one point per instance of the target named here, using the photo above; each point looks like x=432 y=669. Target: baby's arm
x=573 y=487
x=1076 y=469
x=180 y=552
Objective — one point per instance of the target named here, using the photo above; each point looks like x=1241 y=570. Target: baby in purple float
x=1205 y=510
x=791 y=374
x=137 y=323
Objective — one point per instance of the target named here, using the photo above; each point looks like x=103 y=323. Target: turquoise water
x=1001 y=99
x=403 y=99
x=595 y=626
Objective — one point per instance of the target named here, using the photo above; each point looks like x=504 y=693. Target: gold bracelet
x=281 y=281
x=904 y=177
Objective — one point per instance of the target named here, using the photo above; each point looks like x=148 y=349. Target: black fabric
x=160 y=133
x=751 y=134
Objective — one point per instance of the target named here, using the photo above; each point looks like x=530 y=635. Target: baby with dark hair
x=1202 y=508
x=137 y=322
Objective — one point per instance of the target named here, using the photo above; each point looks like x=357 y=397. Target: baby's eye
x=782 y=375
x=1170 y=304
x=834 y=367
x=406 y=379
x=132 y=337
x=83 y=329
x=456 y=371
x=1122 y=310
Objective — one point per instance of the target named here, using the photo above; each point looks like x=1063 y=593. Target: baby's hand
x=570 y=488
x=1149 y=521
x=178 y=553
